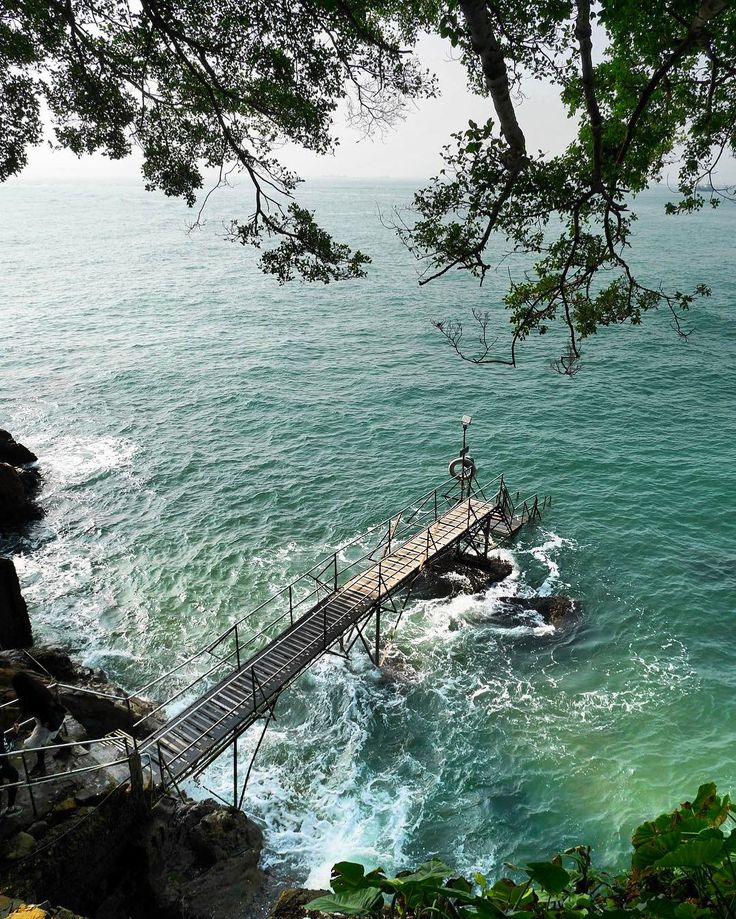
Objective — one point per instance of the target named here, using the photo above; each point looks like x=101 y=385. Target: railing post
x=161 y=771
x=435 y=504
x=291 y=604
x=237 y=645
x=137 y=789
x=380 y=578
x=324 y=627
x=28 y=783
x=335 y=580
x=130 y=722
x=427 y=551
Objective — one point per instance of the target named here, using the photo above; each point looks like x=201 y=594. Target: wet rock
x=290 y=905
x=556 y=611
x=15 y=626
x=16 y=506
x=451 y=575
x=14 y=453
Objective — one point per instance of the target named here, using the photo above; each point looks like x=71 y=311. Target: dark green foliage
x=667 y=81
x=220 y=84
x=683 y=867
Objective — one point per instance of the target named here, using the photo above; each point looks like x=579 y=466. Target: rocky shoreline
x=86 y=840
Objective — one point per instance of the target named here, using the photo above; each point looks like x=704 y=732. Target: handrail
x=237 y=673
x=328 y=566
x=217 y=640
x=325 y=562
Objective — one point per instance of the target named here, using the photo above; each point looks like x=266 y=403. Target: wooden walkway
x=200 y=733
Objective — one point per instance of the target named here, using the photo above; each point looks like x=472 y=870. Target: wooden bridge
x=235 y=680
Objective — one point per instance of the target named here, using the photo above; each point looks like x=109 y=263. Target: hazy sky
x=410 y=150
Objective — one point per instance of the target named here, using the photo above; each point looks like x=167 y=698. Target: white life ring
x=462 y=468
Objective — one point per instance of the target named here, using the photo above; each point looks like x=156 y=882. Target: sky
x=410 y=150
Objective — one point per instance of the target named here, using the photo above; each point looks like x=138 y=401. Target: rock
x=17 y=909
x=556 y=611
x=451 y=575
x=290 y=905
x=18 y=846
x=38 y=829
x=202 y=859
x=14 y=453
x=15 y=626
x=16 y=507
x=31 y=478
x=99 y=715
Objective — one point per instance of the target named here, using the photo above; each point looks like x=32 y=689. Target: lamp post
x=466 y=424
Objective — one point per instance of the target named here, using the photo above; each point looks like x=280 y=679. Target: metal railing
x=316 y=584
x=305 y=592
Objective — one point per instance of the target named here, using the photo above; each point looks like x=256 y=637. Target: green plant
x=683 y=867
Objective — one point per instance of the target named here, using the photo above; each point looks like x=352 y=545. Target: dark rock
x=16 y=507
x=15 y=626
x=556 y=611
x=202 y=859
x=14 y=453
x=451 y=575
x=31 y=479
x=38 y=829
x=291 y=903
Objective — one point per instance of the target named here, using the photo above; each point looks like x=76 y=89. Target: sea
x=206 y=435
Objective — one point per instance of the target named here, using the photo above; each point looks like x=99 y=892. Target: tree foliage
x=664 y=89
x=683 y=866
x=219 y=83
x=224 y=83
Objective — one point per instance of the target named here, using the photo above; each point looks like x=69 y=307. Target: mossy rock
x=18 y=847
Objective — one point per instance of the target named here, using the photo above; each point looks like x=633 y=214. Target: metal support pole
x=462 y=466
x=136 y=777
x=335 y=579
x=235 y=771
x=487 y=539
x=130 y=723
x=29 y=784
x=378 y=635
x=435 y=504
x=237 y=646
x=255 y=754
x=291 y=604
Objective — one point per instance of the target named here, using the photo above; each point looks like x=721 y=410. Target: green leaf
x=349 y=902
x=550 y=877
x=352 y=876
x=693 y=854
x=434 y=869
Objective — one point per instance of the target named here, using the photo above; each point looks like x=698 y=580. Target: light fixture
x=466 y=420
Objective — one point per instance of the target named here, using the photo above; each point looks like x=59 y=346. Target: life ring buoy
x=462 y=468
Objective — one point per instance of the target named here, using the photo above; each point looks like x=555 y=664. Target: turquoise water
x=207 y=434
